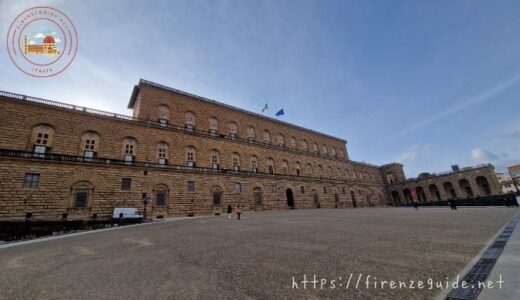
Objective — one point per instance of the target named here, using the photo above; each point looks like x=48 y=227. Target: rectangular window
x=302 y=189
x=163 y=122
x=31 y=180
x=324 y=190
x=89 y=154
x=40 y=149
x=80 y=200
x=238 y=188
x=160 y=198
x=126 y=184
x=191 y=186
x=163 y=161
x=129 y=159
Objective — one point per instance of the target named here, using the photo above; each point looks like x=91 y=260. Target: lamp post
x=145 y=200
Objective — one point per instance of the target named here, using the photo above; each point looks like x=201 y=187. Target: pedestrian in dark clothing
x=229 y=211
x=416 y=205
x=237 y=210
x=508 y=201
x=515 y=201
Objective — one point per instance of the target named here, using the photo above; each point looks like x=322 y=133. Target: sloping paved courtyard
x=256 y=257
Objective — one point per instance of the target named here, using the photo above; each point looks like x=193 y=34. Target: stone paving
x=256 y=257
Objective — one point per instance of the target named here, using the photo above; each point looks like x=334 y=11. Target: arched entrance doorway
x=434 y=192
x=449 y=190
x=316 y=199
x=217 y=196
x=258 y=198
x=336 y=200
x=290 y=198
x=353 y=196
x=396 y=198
x=483 y=185
x=407 y=195
x=421 y=196
x=465 y=188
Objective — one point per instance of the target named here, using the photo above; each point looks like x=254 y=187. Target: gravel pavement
x=256 y=257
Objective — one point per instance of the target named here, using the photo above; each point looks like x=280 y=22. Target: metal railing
x=490 y=200
x=107 y=161
x=168 y=125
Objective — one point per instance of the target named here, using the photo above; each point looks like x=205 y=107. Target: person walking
x=229 y=211
x=415 y=204
x=237 y=210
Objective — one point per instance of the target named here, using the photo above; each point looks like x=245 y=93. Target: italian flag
x=266 y=106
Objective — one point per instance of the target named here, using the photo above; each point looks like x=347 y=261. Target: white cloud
x=57 y=40
x=481 y=156
x=39 y=35
x=31 y=42
x=412 y=154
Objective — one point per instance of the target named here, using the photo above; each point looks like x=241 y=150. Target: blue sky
x=425 y=83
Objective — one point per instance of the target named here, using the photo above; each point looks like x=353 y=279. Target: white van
x=126 y=213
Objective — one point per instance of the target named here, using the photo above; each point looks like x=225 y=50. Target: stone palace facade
x=185 y=153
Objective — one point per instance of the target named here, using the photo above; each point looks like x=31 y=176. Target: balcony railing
x=107 y=161
x=157 y=123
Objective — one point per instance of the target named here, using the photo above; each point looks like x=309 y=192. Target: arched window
x=160 y=195
x=235 y=159
x=233 y=130
x=89 y=144
x=190 y=156
x=164 y=114
x=250 y=133
x=42 y=138
x=280 y=140
x=347 y=174
x=215 y=159
x=270 y=166
x=340 y=175
x=190 y=120
x=309 y=170
x=333 y=152
x=305 y=146
x=331 y=173
x=293 y=143
x=285 y=167
x=82 y=194
x=298 y=169
x=390 y=178
x=163 y=152
x=340 y=153
x=325 y=150
x=320 y=171
x=315 y=148
x=129 y=150
x=213 y=126
x=267 y=137
x=254 y=164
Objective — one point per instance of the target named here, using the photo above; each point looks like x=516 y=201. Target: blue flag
x=279 y=113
